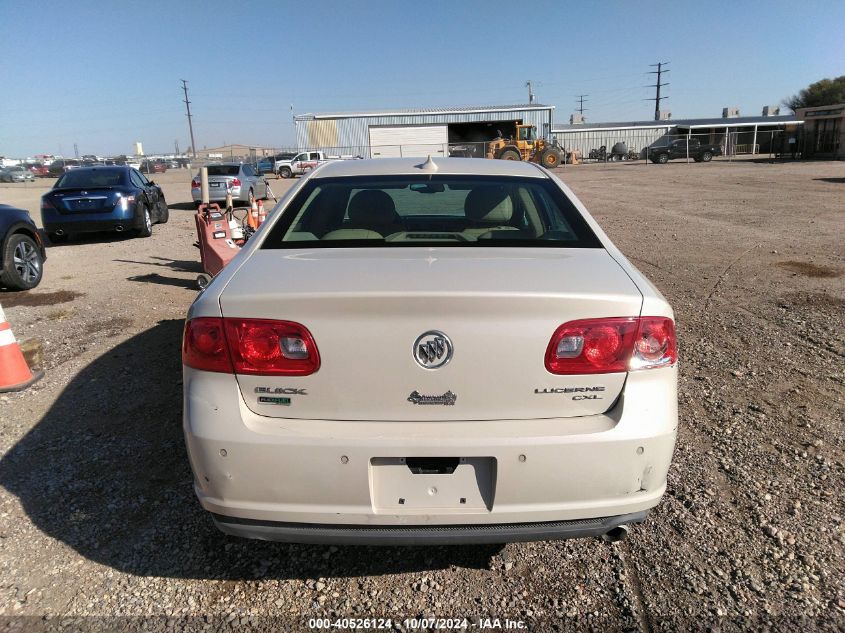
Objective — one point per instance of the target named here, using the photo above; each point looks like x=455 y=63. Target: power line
x=657 y=98
x=190 y=124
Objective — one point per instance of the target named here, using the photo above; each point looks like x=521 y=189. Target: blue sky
x=106 y=74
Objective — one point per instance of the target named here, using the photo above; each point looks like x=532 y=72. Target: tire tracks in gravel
x=632 y=577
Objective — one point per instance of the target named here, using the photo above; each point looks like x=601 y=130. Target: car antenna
x=428 y=165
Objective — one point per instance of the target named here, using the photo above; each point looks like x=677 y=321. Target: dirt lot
x=99 y=518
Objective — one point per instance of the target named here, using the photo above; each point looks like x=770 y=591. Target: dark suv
x=22 y=252
x=683 y=148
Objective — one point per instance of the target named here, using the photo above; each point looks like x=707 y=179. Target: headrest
x=372 y=207
x=490 y=203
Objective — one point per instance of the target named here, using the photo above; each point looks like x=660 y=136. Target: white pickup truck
x=305 y=161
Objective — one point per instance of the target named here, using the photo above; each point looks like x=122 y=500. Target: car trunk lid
x=498 y=308
x=84 y=199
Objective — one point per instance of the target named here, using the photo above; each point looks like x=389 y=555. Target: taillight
x=195 y=184
x=236 y=182
x=271 y=348
x=618 y=344
x=260 y=347
x=204 y=345
x=657 y=344
x=46 y=205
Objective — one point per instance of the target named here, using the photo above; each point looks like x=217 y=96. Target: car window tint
x=315 y=156
x=91 y=178
x=223 y=170
x=431 y=211
x=247 y=169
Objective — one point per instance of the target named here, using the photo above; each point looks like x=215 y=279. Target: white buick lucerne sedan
x=414 y=351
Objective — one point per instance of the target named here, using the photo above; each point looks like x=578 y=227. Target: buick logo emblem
x=432 y=350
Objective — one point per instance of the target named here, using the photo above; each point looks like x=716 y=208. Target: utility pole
x=75 y=150
x=581 y=109
x=530 y=92
x=190 y=124
x=657 y=98
x=176 y=146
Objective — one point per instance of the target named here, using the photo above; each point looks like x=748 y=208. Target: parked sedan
x=89 y=199
x=245 y=184
x=429 y=353
x=37 y=169
x=153 y=167
x=22 y=252
x=16 y=173
x=60 y=166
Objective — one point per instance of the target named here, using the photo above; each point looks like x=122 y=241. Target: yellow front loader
x=526 y=146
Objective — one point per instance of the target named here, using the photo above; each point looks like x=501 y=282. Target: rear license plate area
x=407 y=485
x=85 y=205
x=214 y=184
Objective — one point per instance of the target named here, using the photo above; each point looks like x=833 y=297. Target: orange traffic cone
x=15 y=374
x=262 y=215
x=252 y=218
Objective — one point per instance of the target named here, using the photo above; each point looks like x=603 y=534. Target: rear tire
x=706 y=157
x=285 y=172
x=510 y=154
x=662 y=159
x=23 y=265
x=146 y=228
x=163 y=212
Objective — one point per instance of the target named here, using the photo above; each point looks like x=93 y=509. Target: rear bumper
x=91 y=226
x=54 y=222
x=421 y=534
x=216 y=195
x=327 y=480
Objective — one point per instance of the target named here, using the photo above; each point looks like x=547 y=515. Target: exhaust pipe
x=60 y=232
x=616 y=534
x=119 y=228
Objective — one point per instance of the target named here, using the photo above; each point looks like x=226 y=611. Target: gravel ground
x=98 y=518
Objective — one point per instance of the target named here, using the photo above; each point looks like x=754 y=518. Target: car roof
x=448 y=166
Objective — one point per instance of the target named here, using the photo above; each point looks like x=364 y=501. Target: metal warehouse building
x=737 y=135
x=392 y=133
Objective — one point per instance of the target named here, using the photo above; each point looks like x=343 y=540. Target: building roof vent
x=665 y=115
x=771 y=110
x=730 y=113
x=576 y=118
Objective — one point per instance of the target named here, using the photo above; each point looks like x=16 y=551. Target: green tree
x=824 y=92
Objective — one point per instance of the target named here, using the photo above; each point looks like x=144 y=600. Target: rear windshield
x=430 y=211
x=223 y=170
x=91 y=178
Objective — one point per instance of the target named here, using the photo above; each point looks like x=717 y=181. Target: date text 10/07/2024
x=418 y=623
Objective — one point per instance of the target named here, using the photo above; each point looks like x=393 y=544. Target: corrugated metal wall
x=585 y=140
x=353 y=137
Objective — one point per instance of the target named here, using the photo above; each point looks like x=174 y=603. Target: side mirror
x=152 y=183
